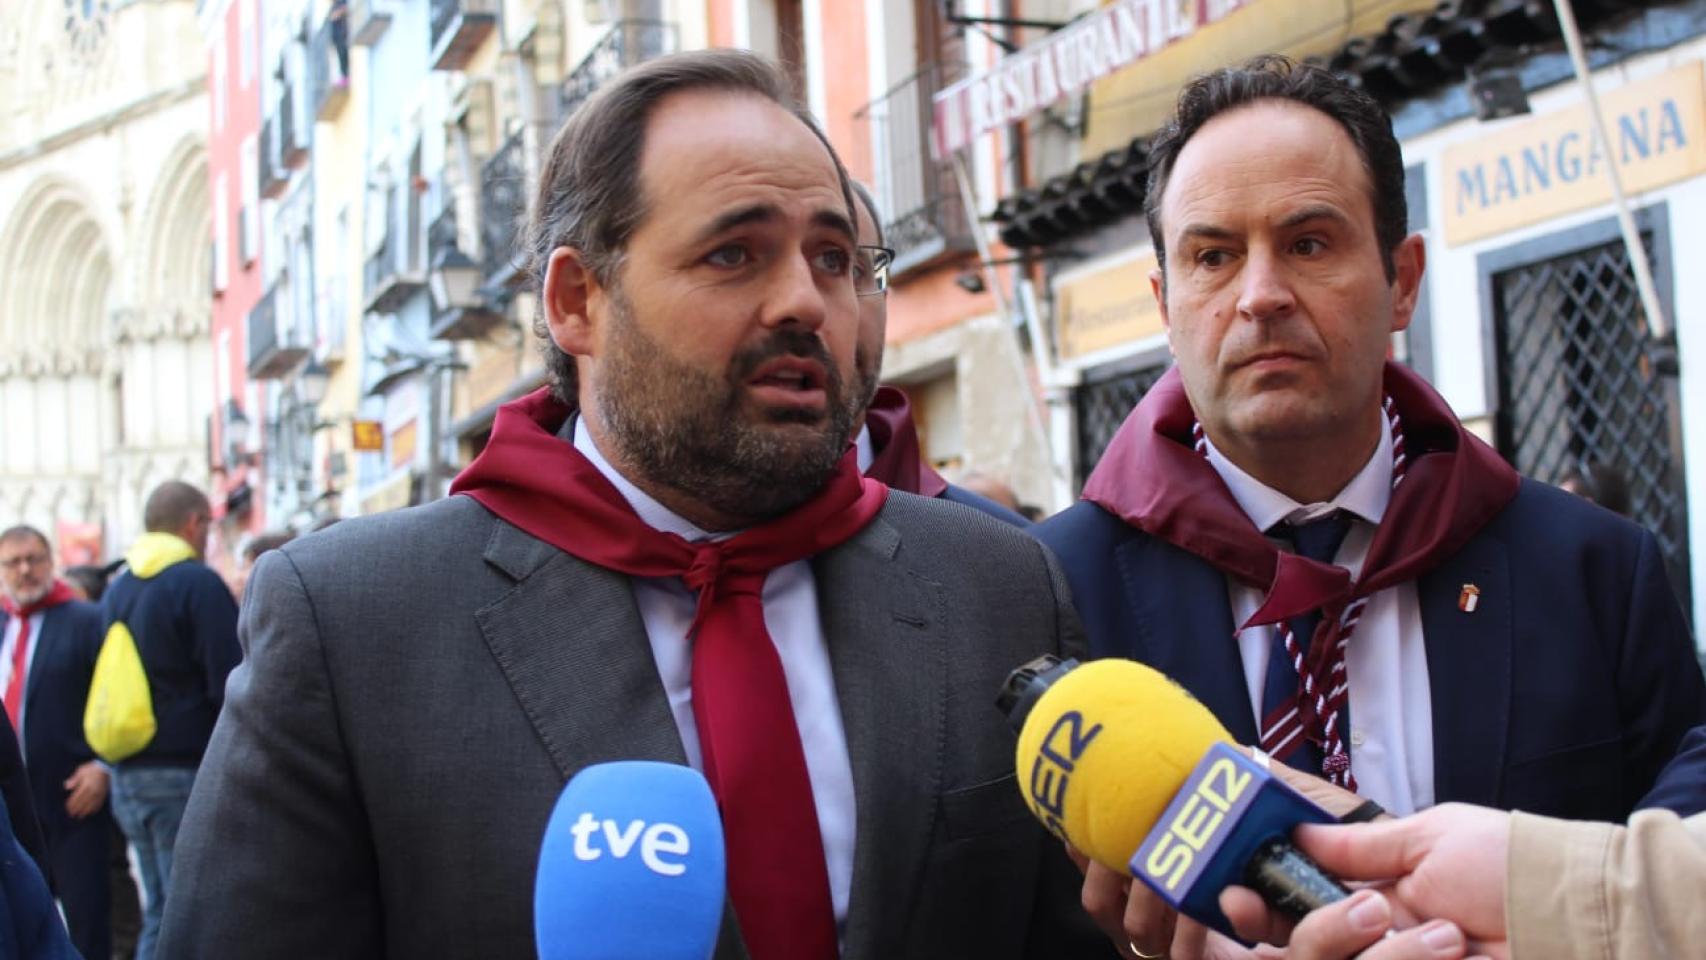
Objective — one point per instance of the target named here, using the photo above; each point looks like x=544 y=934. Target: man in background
x=184 y=622
x=51 y=640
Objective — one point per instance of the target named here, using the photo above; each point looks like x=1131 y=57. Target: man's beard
x=689 y=430
x=31 y=595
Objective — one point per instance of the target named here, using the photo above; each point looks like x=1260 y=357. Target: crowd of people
x=712 y=540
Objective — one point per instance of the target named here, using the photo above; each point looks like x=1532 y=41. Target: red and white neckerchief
x=1323 y=689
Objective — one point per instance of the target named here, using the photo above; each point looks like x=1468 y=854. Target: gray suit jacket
x=418 y=687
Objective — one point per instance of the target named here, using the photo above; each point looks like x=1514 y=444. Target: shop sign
x=1065 y=63
x=1106 y=307
x=1551 y=165
x=367 y=436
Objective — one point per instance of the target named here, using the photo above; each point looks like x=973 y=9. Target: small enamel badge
x=1470 y=596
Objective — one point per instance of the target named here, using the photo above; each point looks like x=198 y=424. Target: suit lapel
x=883 y=624
x=1469 y=670
x=1183 y=618
x=571 y=644
x=570 y=641
x=38 y=659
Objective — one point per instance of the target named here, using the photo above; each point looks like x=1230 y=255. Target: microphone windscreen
x=1105 y=750
x=631 y=866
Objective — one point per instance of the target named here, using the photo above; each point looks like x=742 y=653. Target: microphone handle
x=1289 y=881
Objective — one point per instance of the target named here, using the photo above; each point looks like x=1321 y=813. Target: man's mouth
x=790 y=382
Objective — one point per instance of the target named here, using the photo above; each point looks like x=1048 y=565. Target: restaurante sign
x=1066 y=62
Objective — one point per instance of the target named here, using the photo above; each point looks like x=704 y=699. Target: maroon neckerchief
x=896 y=460
x=748 y=736
x=1153 y=478
x=59 y=593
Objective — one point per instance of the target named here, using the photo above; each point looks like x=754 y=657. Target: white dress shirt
x=791 y=616
x=1391 y=743
x=6 y=650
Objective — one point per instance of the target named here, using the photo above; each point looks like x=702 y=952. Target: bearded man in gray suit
x=418 y=687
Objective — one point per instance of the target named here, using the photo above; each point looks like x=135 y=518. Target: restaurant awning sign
x=1065 y=63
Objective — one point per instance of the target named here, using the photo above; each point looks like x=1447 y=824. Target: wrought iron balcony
x=274 y=178
x=292 y=133
x=328 y=74
x=368 y=20
x=629 y=42
x=458 y=29
x=923 y=216
x=503 y=201
x=393 y=276
x=275 y=348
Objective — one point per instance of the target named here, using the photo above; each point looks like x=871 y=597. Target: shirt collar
x=652 y=513
x=1366 y=496
x=865 y=450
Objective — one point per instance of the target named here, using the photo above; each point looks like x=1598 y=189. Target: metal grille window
x=1102 y=406
x=1578 y=385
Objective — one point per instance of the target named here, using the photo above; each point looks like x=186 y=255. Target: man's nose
x=1265 y=288
x=801 y=296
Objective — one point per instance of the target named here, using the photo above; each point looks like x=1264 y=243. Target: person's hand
x=1141 y=924
x=87 y=790
x=1354 y=927
x=1447 y=862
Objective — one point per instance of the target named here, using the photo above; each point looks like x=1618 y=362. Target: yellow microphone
x=1124 y=764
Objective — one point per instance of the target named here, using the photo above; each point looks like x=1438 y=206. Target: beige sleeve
x=1595 y=891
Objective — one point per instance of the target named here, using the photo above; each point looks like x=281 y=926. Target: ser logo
x=1202 y=814
x=655 y=841
x=1062 y=747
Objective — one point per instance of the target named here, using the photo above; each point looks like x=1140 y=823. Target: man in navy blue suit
x=1301 y=532
x=47 y=658
x=887 y=437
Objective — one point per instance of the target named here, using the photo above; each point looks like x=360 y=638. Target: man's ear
x=1158 y=286
x=569 y=289
x=1409 y=263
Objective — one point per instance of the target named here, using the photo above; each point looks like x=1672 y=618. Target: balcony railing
x=368 y=21
x=274 y=178
x=503 y=200
x=629 y=42
x=393 y=276
x=292 y=134
x=918 y=197
x=458 y=29
x=275 y=349
x=328 y=71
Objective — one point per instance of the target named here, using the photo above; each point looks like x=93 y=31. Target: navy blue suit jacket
x=54 y=696
x=979 y=502
x=1564 y=693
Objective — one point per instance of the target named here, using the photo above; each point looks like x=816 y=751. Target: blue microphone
x=631 y=866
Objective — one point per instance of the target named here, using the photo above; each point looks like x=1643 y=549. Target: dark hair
x=864 y=194
x=262 y=542
x=172 y=506
x=25 y=530
x=1279 y=78
x=90 y=579
x=589 y=191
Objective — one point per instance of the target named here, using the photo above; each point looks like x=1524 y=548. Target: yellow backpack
x=118 y=721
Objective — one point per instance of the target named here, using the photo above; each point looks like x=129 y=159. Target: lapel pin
x=1470 y=596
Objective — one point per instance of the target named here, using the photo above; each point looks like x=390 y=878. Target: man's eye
x=836 y=261
x=1212 y=258
x=1308 y=246
x=733 y=255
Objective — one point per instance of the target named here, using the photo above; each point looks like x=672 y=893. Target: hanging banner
x=1062 y=65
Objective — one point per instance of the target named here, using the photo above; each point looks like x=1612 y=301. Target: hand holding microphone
x=631 y=866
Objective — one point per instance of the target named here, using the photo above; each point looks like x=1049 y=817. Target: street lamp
x=461 y=309
x=312 y=382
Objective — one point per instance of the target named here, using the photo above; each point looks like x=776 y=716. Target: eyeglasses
x=27 y=560
x=871 y=270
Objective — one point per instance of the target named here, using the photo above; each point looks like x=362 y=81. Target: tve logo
x=655 y=841
x=631 y=865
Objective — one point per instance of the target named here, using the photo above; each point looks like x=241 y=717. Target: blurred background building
x=273 y=245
